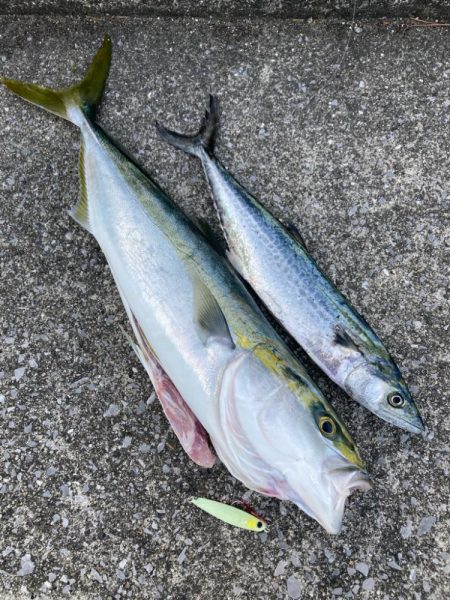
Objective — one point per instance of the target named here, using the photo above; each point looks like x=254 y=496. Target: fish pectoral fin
x=342 y=338
x=208 y=316
x=295 y=233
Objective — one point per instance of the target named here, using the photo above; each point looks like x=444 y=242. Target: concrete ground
x=302 y=9
x=344 y=133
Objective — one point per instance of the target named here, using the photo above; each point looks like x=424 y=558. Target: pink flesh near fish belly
x=188 y=429
x=191 y=434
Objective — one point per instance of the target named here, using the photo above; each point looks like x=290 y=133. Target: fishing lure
x=231 y=514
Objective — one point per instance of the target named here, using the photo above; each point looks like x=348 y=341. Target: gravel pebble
x=426 y=525
x=363 y=568
x=112 y=411
x=279 y=570
x=293 y=587
x=369 y=584
x=26 y=566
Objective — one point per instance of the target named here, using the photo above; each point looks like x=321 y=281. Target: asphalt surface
x=343 y=132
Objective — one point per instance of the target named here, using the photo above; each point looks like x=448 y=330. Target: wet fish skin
x=191 y=314
x=278 y=266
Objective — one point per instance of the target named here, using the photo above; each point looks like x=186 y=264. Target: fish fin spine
x=203 y=140
x=67 y=102
x=136 y=349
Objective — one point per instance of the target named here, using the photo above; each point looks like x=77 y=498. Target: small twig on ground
x=416 y=22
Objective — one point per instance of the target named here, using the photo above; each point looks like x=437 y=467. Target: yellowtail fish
x=218 y=367
x=274 y=260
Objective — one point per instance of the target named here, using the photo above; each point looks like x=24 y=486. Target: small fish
x=231 y=515
x=221 y=372
x=274 y=260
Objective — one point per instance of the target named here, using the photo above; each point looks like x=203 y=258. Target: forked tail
x=204 y=139
x=84 y=96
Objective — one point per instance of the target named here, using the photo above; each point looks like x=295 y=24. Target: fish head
x=334 y=469
x=323 y=493
x=281 y=438
x=382 y=390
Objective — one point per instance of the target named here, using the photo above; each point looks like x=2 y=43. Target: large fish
x=275 y=262
x=217 y=365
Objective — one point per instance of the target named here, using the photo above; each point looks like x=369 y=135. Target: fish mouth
x=415 y=425
x=345 y=480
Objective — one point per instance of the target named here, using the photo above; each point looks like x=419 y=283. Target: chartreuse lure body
x=220 y=371
x=231 y=515
x=273 y=259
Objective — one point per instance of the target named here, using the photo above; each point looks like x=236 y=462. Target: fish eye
x=396 y=400
x=259 y=524
x=327 y=427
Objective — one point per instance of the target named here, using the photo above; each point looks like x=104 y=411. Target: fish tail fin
x=203 y=140
x=68 y=102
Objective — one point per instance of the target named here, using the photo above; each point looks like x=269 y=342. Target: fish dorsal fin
x=295 y=233
x=342 y=338
x=80 y=211
x=208 y=316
